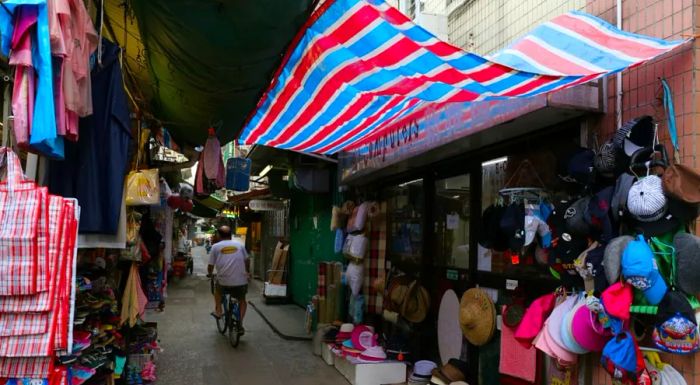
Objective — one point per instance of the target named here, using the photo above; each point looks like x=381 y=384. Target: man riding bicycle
x=232 y=264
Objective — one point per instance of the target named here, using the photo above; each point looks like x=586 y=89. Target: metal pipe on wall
x=618 y=88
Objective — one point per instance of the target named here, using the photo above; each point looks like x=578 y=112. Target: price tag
x=511 y=284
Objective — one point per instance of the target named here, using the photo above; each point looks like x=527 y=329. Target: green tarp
x=197 y=63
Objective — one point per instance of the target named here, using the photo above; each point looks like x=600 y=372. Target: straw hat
x=416 y=303
x=398 y=288
x=477 y=316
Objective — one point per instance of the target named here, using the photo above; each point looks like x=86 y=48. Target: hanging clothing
x=25 y=77
x=104 y=145
x=211 y=171
x=42 y=132
x=73 y=39
x=134 y=300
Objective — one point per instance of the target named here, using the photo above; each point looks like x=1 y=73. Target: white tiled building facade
x=483 y=26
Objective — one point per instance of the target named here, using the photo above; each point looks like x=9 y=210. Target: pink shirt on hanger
x=23 y=93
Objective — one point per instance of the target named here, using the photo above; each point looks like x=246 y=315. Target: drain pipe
x=618 y=88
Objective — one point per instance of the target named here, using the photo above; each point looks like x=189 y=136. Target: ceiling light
x=494 y=161
x=265 y=170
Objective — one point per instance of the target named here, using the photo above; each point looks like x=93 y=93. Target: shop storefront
x=462 y=161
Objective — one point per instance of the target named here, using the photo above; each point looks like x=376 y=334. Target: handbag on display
x=339 y=240
x=358 y=247
x=348 y=244
x=337 y=218
x=679 y=181
x=24 y=219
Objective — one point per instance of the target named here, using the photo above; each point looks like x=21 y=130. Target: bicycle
x=231 y=321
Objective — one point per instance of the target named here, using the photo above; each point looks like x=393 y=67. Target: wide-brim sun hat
x=557 y=318
x=477 y=316
x=423 y=369
x=416 y=304
x=348 y=348
x=363 y=337
x=345 y=332
x=587 y=331
x=373 y=354
x=567 y=337
x=544 y=343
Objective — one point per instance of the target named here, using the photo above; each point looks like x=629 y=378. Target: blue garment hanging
x=103 y=145
x=43 y=137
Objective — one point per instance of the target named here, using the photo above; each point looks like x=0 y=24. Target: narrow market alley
x=195 y=353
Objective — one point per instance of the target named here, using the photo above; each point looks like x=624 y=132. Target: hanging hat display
x=477 y=316
x=646 y=201
x=676 y=330
x=587 y=331
x=556 y=319
x=617 y=300
x=567 y=335
x=548 y=346
x=534 y=318
x=416 y=304
x=640 y=270
x=687 y=262
x=622 y=358
x=612 y=259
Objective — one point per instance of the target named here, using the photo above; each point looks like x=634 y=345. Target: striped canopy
x=360 y=65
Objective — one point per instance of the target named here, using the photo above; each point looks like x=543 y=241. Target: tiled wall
x=667 y=19
x=485 y=26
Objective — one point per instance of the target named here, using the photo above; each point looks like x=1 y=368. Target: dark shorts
x=237 y=292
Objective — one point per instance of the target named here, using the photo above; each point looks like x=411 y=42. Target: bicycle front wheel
x=221 y=324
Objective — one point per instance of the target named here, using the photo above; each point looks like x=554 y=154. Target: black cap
x=594 y=260
x=491 y=236
x=580 y=167
x=513 y=226
x=679 y=214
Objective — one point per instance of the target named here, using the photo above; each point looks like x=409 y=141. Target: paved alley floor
x=194 y=353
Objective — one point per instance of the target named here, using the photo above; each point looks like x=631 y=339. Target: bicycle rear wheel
x=223 y=322
x=234 y=335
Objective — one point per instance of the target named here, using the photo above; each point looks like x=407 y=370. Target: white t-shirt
x=229 y=258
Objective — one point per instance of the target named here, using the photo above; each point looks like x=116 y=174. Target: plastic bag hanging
x=143 y=188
